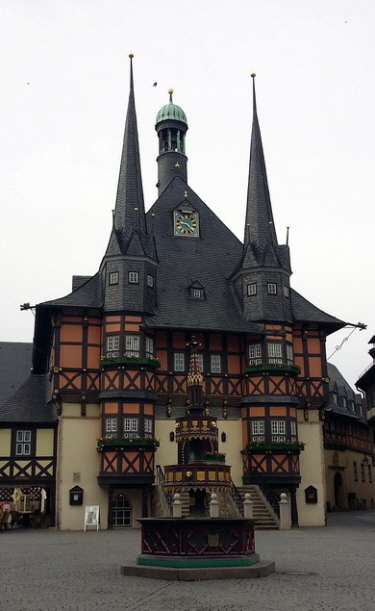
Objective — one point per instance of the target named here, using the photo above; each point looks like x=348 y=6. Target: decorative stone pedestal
x=198 y=548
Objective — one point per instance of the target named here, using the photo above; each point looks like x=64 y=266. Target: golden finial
x=253 y=75
x=131 y=55
x=170 y=91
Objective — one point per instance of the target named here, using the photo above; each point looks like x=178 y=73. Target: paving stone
x=317 y=569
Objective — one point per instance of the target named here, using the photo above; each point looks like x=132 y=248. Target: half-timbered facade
x=117 y=348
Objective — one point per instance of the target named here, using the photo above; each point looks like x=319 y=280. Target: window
x=274 y=353
x=257 y=430
x=215 y=363
x=286 y=291
x=293 y=430
x=197 y=293
x=369 y=473
x=363 y=477
x=130 y=428
x=150 y=280
x=132 y=345
x=255 y=354
x=148 y=427
x=344 y=404
x=110 y=427
x=23 y=443
x=113 y=345
x=334 y=398
x=149 y=348
x=289 y=354
x=113 y=278
x=179 y=361
x=355 y=471
x=271 y=288
x=251 y=289
x=278 y=430
x=133 y=277
x=200 y=362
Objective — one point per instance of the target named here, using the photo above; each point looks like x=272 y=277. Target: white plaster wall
x=77 y=454
x=312 y=470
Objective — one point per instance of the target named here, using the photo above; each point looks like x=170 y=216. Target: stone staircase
x=265 y=517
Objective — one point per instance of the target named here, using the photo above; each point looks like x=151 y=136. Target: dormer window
x=197 y=290
x=133 y=278
x=113 y=278
x=251 y=289
x=272 y=288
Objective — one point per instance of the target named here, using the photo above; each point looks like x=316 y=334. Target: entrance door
x=339 y=490
x=122 y=513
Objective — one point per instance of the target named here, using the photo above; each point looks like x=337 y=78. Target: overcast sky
x=64 y=78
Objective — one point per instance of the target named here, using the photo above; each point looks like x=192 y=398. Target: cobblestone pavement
x=317 y=569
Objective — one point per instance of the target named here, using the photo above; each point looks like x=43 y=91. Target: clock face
x=186 y=224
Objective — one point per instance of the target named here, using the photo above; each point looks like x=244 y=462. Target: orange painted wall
x=71 y=356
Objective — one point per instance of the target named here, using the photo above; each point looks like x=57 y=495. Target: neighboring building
x=28 y=425
x=348 y=447
x=183 y=335
x=366 y=383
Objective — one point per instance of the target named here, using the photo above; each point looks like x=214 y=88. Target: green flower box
x=282 y=446
x=130 y=360
x=214 y=457
x=274 y=368
x=103 y=444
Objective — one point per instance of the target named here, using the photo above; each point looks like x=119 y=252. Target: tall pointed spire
x=129 y=211
x=260 y=227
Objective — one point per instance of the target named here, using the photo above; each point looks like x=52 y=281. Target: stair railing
x=237 y=497
x=269 y=494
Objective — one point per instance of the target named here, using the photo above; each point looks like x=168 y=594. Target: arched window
x=122 y=512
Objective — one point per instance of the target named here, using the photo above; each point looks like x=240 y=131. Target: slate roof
x=340 y=386
x=88 y=295
x=15 y=366
x=304 y=311
x=30 y=404
x=183 y=261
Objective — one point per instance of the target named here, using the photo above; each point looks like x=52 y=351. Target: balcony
x=198 y=475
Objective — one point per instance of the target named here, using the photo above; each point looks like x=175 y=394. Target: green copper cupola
x=171 y=126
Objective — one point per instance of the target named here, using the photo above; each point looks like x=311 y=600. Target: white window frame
x=200 y=362
x=197 y=293
x=130 y=428
x=272 y=288
x=133 y=278
x=293 y=430
x=275 y=352
x=110 y=427
x=113 y=278
x=278 y=430
x=179 y=361
x=149 y=347
x=132 y=345
x=289 y=353
x=150 y=281
x=257 y=430
x=215 y=363
x=23 y=443
x=255 y=354
x=112 y=346
x=147 y=427
x=252 y=289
